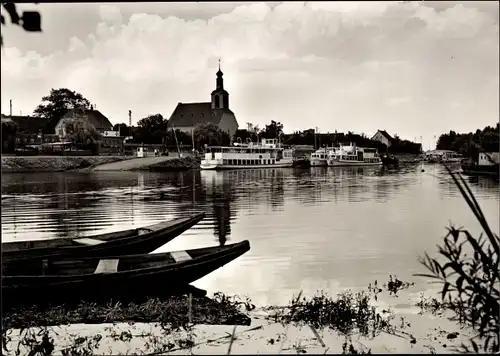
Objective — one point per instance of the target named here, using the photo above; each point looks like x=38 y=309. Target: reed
x=470 y=283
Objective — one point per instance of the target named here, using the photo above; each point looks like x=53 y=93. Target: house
x=110 y=142
x=488 y=159
x=93 y=117
x=30 y=129
x=384 y=137
x=187 y=115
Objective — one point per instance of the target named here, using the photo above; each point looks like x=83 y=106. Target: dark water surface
x=319 y=228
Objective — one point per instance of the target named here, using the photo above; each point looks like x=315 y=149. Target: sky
x=415 y=69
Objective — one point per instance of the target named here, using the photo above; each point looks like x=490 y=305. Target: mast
x=176 y=142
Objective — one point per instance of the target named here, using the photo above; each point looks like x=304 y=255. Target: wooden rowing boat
x=126 y=242
x=129 y=278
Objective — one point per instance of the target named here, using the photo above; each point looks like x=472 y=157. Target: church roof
x=190 y=114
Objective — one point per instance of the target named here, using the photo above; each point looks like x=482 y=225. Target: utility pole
x=130 y=118
x=10 y=105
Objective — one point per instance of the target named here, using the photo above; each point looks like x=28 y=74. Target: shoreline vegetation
x=463 y=317
x=176 y=324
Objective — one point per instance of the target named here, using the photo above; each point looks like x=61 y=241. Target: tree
x=273 y=130
x=30 y=20
x=251 y=133
x=59 y=102
x=153 y=123
x=9 y=130
x=210 y=134
x=470 y=144
x=151 y=129
x=81 y=133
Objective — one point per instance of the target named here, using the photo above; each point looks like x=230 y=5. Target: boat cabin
x=488 y=159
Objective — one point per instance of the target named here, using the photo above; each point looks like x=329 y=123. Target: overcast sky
x=412 y=68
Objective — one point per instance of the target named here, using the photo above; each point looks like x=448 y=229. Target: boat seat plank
x=88 y=241
x=107 y=266
x=180 y=256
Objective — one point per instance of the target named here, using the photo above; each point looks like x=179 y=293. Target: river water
x=309 y=229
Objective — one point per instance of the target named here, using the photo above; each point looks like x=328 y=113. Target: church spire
x=220 y=81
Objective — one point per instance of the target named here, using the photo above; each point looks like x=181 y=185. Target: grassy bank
x=17 y=164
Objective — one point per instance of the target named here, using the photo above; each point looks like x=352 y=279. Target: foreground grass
x=347 y=313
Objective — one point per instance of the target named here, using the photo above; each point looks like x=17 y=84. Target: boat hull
x=353 y=164
x=128 y=244
x=481 y=170
x=216 y=166
x=129 y=285
x=318 y=163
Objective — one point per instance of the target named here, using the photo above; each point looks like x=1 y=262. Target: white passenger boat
x=351 y=155
x=267 y=154
x=320 y=157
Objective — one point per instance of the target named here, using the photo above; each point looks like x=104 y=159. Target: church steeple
x=220 y=81
x=220 y=97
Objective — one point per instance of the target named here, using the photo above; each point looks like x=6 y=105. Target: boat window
x=239 y=161
x=273 y=161
x=224 y=161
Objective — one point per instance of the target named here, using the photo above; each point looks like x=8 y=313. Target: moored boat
x=390 y=161
x=128 y=278
x=320 y=157
x=352 y=155
x=492 y=170
x=267 y=154
x=139 y=240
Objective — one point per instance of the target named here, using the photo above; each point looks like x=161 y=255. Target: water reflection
x=309 y=228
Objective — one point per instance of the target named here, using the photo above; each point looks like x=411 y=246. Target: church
x=187 y=115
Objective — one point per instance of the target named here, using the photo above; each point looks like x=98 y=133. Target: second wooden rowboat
x=129 y=278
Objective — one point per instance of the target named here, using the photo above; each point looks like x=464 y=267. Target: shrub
x=470 y=283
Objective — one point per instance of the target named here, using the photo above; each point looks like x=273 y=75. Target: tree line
x=470 y=144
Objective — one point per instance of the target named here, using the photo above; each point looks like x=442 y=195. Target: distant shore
x=27 y=164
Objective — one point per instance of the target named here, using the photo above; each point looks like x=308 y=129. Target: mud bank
x=16 y=164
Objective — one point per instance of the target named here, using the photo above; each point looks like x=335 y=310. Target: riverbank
x=201 y=325
x=26 y=164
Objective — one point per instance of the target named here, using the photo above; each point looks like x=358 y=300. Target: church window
x=202 y=115
x=217 y=102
